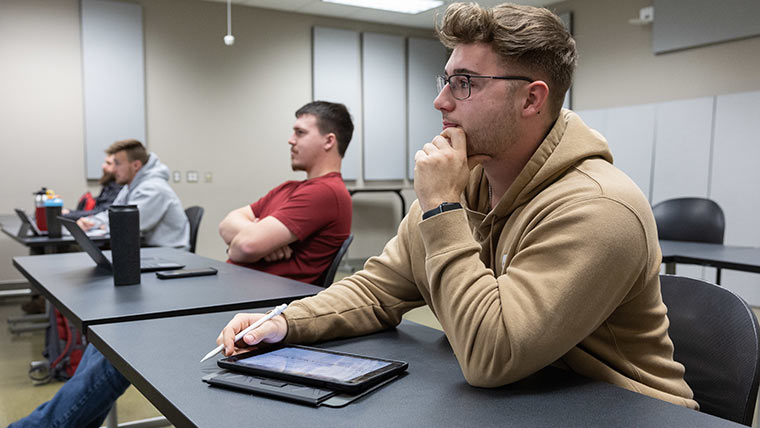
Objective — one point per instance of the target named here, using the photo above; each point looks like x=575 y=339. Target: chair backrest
x=194 y=215
x=715 y=335
x=328 y=276
x=690 y=219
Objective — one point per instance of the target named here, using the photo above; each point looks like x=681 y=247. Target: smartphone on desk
x=185 y=273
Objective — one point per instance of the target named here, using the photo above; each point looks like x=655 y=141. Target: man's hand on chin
x=441 y=169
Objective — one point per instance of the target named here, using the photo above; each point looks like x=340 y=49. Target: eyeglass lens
x=458 y=84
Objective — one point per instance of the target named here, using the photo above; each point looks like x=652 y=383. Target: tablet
x=334 y=370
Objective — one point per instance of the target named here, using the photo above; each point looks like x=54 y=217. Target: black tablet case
x=285 y=390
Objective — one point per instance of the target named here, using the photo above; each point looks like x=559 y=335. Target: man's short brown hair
x=532 y=38
x=331 y=118
x=135 y=150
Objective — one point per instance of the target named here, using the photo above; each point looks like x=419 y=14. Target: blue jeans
x=84 y=400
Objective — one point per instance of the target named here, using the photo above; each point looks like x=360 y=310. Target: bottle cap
x=54 y=201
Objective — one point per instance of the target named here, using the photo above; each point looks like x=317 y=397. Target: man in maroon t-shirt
x=296 y=229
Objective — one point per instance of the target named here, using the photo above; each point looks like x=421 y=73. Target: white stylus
x=271 y=314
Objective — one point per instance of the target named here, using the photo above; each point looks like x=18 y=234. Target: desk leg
x=111 y=420
x=403 y=203
x=670 y=268
x=157 y=422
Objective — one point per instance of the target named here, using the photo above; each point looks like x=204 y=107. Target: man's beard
x=297 y=167
x=495 y=137
x=492 y=140
x=107 y=178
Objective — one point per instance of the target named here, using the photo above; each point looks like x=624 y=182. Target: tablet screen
x=307 y=362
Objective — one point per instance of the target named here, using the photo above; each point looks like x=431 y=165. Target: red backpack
x=86 y=202
x=64 y=346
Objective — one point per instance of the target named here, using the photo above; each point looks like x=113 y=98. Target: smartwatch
x=446 y=206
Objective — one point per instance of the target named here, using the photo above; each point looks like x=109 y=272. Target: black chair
x=328 y=276
x=690 y=219
x=715 y=334
x=194 y=215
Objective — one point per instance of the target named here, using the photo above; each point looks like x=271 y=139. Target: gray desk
x=85 y=294
x=433 y=394
x=745 y=259
x=11 y=226
x=42 y=244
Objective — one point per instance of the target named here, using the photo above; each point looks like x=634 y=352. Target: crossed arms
x=251 y=239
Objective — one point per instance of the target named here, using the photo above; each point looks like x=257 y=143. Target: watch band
x=446 y=206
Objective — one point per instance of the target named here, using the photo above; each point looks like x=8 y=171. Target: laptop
x=28 y=224
x=147 y=264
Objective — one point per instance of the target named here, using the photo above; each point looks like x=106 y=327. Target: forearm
x=99 y=219
x=465 y=295
x=372 y=299
x=233 y=223
x=244 y=250
x=259 y=239
x=228 y=228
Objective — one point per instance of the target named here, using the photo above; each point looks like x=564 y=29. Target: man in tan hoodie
x=528 y=245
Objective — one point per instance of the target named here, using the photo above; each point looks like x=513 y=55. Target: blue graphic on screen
x=304 y=362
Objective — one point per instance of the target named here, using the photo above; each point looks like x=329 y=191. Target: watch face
x=446 y=206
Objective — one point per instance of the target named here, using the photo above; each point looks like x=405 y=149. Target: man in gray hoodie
x=163 y=222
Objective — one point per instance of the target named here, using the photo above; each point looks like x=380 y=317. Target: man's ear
x=330 y=141
x=537 y=99
x=137 y=164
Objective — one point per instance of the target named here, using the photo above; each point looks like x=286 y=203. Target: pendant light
x=229 y=39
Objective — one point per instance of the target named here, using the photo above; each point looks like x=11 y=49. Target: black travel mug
x=53 y=224
x=124 y=223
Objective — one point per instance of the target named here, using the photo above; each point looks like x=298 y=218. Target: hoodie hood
x=568 y=143
x=153 y=169
x=163 y=222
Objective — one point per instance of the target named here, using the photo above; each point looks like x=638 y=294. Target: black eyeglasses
x=460 y=86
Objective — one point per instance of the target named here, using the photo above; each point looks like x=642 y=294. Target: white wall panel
x=630 y=134
x=426 y=59
x=735 y=183
x=384 y=89
x=683 y=135
x=337 y=78
x=595 y=119
x=384 y=106
x=113 y=77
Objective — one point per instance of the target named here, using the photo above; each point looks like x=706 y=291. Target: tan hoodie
x=563 y=271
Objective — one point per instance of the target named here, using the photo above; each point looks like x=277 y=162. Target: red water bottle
x=39 y=208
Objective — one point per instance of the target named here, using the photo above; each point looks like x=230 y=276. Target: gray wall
x=228 y=110
x=617 y=66
x=41 y=129
x=210 y=108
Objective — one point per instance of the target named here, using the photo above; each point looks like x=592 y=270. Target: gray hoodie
x=163 y=222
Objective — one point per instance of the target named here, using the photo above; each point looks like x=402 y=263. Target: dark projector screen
x=682 y=24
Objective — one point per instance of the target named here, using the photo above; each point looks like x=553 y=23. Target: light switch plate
x=192 y=176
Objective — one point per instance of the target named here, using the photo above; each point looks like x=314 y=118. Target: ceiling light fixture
x=229 y=39
x=411 y=7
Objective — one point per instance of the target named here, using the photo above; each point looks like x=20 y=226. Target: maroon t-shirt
x=318 y=212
